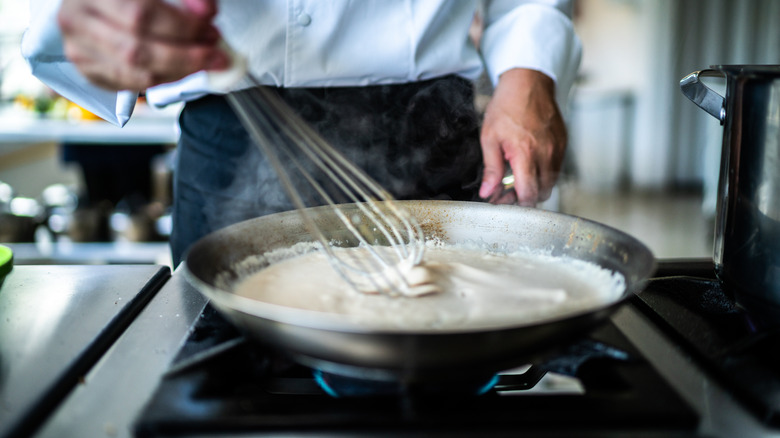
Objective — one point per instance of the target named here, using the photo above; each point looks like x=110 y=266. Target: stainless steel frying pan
x=329 y=343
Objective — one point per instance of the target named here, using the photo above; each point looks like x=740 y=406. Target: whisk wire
x=341 y=171
x=275 y=129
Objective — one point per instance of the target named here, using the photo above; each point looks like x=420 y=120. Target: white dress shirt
x=316 y=43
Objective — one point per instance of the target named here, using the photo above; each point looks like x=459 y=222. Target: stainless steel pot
x=326 y=342
x=747 y=232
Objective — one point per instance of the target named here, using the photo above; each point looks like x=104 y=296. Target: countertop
x=132 y=368
x=91 y=253
x=55 y=323
x=147 y=126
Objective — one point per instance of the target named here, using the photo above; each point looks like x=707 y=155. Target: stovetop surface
x=222 y=383
x=698 y=313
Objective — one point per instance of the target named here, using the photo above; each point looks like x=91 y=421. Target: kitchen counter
x=147 y=126
x=91 y=253
x=116 y=389
x=55 y=323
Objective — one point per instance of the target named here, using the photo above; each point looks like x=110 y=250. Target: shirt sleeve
x=42 y=48
x=538 y=35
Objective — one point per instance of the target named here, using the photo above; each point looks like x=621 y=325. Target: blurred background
x=642 y=158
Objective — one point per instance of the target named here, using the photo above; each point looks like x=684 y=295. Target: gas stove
x=601 y=383
x=679 y=359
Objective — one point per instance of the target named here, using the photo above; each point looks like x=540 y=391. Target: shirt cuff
x=536 y=37
x=64 y=78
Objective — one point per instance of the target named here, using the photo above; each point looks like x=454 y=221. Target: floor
x=671 y=224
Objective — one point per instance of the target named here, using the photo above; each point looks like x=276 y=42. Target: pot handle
x=702 y=95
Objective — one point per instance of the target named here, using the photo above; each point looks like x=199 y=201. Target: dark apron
x=418 y=140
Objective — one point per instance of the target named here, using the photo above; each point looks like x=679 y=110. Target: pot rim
x=748 y=69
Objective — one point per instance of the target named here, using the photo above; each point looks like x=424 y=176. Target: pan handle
x=702 y=95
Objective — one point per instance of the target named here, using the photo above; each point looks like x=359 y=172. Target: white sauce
x=477 y=289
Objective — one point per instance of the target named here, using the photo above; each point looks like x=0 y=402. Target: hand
x=135 y=44
x=523 y=127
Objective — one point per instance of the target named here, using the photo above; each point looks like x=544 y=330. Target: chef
x=388 y=82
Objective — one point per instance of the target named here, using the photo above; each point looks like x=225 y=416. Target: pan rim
x=340 y=323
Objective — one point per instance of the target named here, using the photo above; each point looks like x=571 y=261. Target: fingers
x=507 y=195
x=525 y=165
x=525 y=168
x=523 y=127
x=493 y=173
x=535 y=166
x=548 y=177
x=103 y=54
x=158 y=19
x=135 y=44
x=203 y=8
x=534 y=161
x=497 y=151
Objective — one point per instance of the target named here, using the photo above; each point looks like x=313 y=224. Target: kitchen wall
x=635 y=53
x=602 y=103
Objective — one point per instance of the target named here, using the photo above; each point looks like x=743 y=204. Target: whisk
x=389 y=241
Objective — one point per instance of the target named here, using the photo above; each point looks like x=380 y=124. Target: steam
x=419 y=141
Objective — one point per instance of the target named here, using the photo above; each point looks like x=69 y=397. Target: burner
x=343 y=386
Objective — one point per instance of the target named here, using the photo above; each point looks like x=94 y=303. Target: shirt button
x=304 y=19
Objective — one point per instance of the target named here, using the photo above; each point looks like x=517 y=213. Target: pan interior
x=478 y=289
